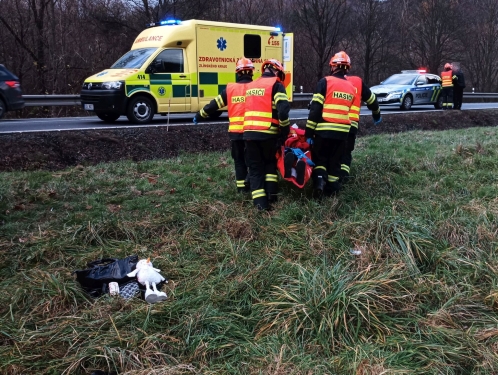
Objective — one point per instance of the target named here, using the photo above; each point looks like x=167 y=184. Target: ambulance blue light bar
x=278 y=28
x=164 y=23
x=170 y=22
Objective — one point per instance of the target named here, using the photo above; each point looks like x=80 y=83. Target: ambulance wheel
x=407 y=102
x=439 y=103
x=215 y=115
x=140 y=110
x=108 y=117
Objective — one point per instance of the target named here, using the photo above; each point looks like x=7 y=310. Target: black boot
x=300 y=169
x=320 y=184
x=289 y=160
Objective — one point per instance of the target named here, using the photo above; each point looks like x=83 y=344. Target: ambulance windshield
x=134 y=59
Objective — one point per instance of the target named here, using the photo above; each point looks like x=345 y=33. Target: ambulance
x=179 y=66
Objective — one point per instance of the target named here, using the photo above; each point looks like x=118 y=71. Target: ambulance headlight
x=114 y=85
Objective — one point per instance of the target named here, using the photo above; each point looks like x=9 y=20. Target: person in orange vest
x=363 y=94
x=447 y=92
x=328 y=125
x=266 y=126
x=234 y=98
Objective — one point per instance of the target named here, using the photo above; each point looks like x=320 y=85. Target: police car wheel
x=140 y=110
x=407 y=102
x=108 y=117
x=2 y=108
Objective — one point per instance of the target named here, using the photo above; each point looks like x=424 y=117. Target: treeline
x=53 y=45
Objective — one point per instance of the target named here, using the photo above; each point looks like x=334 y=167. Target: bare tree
x=374 y=23
x=482 y=45
x=323 y=24
x=430 y=32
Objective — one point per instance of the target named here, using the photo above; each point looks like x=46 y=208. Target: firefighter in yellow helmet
x=234 y=98
x=266 y=125
x=328 y=125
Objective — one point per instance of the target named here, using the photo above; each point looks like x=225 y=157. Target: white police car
x=410 y=87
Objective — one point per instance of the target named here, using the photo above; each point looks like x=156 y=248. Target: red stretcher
x=280 y=166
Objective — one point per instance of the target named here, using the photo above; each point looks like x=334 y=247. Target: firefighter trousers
x=447 y=95
x=347 y=158
x=327 y=154
x=262 y=162
x=238 y=156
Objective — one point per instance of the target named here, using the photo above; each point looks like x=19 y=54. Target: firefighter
x=234 y=97
x=363 y=94
x=266 y=126
x=328 y=125
x=447 y=93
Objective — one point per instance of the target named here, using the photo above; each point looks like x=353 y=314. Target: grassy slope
x=252 y=293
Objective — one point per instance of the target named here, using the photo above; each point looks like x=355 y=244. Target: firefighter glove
x=197 y=118
x=377 y=121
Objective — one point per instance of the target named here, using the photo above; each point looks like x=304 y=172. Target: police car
x=410 y=87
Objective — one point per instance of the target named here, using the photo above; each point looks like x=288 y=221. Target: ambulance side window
x=169 y=61
x=252 y=46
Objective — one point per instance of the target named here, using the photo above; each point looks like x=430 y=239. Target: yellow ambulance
x=179 y=66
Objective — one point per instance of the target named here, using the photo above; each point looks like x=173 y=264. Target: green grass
x=260 y=293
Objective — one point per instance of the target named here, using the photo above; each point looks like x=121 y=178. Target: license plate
x=88 y=107
x=380 y=99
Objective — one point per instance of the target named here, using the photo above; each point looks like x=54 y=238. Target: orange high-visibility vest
x=354 y=111
x=446 y=76
x=259 y=103
x=236 y=102
x=338 y=101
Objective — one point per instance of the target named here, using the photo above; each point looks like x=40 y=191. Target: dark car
x=10 y=92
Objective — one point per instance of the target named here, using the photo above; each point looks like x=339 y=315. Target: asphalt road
x=93 y=122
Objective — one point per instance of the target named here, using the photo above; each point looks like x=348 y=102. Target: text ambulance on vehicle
x=179 y=66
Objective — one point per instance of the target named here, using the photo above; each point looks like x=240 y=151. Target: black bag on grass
x=96 y=278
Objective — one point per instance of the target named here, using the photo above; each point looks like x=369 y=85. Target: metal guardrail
x=63 y=100
x=50 y=100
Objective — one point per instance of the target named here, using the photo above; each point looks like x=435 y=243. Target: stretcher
x=306 y=156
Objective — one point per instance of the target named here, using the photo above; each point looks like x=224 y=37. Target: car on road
x=408 y=88
x=10 y=92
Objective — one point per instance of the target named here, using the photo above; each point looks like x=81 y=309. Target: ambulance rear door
x=281 y=48
x=288 y=61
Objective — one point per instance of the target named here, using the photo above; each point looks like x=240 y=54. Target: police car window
x=134 y=59
x=421 y=80
x=433 y=79
x=252 y=46
x=172 y=61
x=400 y=79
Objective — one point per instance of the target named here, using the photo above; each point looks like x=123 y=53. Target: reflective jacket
x=222 y=101
x=329 y=113
x=267 y=108
x=363 y=94
x=447 y=77
x=236 y=98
